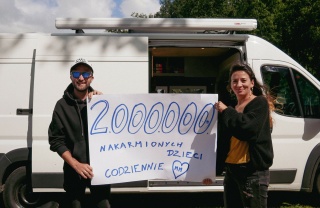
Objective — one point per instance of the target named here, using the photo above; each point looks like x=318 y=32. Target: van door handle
x=27 y=111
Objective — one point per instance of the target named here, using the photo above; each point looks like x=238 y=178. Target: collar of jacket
x=68 y=94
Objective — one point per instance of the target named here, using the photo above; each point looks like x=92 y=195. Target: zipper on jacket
x=81 y=123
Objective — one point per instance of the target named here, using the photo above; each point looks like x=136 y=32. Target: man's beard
x=80 y=89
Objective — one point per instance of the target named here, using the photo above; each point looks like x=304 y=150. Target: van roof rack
x=158 y=24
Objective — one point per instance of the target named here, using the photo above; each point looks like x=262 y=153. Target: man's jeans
x=244 y=187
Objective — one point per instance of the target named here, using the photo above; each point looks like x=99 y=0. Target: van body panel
x=260 y=49
x=16 y=78
x=17 y=47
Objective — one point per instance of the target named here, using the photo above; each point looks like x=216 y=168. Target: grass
x=288 y=205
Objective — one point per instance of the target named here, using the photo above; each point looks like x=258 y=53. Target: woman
x=250 y=153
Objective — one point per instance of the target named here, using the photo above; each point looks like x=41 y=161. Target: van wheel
x=316 y=188
x=317 y=183
x=15 y=194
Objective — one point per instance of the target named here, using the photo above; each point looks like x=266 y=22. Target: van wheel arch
x=13 y=160
x=15 y=192
x=311 y=175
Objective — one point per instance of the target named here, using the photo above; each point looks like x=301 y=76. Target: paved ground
x=191 y=200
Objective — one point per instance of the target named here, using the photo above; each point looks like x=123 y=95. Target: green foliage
x=140 y=15
x=300 y=32
x=291 y=25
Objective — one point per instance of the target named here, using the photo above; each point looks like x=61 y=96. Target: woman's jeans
x=244 y=187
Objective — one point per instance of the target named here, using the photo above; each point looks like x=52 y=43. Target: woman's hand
x=220 y=106
x=207 y=181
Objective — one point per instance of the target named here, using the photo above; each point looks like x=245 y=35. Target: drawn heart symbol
x=179 y=168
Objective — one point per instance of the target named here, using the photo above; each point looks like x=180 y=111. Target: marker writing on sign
x=158 y=119
x=187 y=154
x=137 y=168
x=138 y=144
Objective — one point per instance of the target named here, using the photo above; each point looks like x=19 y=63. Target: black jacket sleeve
x=56 y=134
x=247 y=126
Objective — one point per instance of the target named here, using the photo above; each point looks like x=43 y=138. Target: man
x=68 y=136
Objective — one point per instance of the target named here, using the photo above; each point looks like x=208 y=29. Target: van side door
x=296 y=130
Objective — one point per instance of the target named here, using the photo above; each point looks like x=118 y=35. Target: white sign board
x=152 y=136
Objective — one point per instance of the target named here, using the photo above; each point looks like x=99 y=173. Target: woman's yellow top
x=239 y=152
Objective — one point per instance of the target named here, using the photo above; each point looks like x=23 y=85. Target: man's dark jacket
x=68 y=130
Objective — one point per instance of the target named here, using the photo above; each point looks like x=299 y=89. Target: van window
x=309 y=96
x=281 y=85
x=295 y=95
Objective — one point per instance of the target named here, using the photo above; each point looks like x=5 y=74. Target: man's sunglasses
x=85 y=75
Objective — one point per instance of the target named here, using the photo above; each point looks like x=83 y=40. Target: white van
x=155 y=55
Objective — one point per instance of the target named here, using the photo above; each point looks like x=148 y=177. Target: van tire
x=15 y=193
x=316 y=187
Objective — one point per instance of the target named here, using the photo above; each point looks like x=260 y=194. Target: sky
x=28 y=16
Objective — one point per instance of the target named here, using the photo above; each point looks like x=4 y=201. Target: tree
x=264 y=11
x=299 y=24
x=193 y=9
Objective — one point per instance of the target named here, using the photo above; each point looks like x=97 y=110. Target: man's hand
x=83 y=169
x=94 y=92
